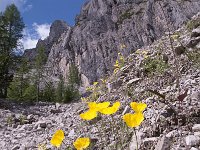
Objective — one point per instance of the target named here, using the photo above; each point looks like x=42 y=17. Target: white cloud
x=42 y=30
x=31 y=36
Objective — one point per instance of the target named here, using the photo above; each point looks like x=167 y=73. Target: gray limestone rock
x=192 y=140
x=103 y=26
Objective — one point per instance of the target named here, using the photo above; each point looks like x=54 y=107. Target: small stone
x=30 y=116
x=15 y=147
x=163 y=143
x=196 y=127
x=148 y=140
x=109 y=86
x=55 y=111
x=173 y=133
x=2 y=143
x=132 y=81
x=133 y=143
x=195 y=96
x=193 y=42
x=197 y=133
x=58 y=105
x=193 y=148
x=196 y=32
x=192 y=140
x=71 y=133
x=41 y=124
x=94 y=130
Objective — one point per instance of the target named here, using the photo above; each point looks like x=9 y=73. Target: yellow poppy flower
x=89 y=115
x=138 y=107
x=92 y=105
x=98 y=106
x=81 y=143
x=102 y=105
x=95 y=83
x=133 y=120
x=57 y=138
x=110 y=110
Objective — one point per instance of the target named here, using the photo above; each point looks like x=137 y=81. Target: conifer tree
x=20 y=82
x=60 y=90
x=39 y=66
x=11 y=27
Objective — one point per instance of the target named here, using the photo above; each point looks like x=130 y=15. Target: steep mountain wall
x=56 y=29
x=103 y=26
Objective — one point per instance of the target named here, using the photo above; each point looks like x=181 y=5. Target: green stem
x=136 y=139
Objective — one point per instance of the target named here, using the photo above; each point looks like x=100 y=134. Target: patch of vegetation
x=71 y=93
x=154 y=66
x=49 y=92
x=10 y=120
x=126 y=15
x=192 y=24
x=22 y=119
x=194 y=57
x=30 y=94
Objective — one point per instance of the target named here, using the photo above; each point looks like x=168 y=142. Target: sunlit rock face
x=104 y=25
x=56 y=29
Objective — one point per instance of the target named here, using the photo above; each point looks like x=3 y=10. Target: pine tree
x=39 y=66
x=60 y=90
x=48 y=93
x=74 y=76
x=20 y=82
x=11 y=27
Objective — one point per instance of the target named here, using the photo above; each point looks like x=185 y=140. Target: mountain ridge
x=103 y=26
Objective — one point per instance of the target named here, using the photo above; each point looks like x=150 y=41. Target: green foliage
x=192 y=24
x=39 y=65
x=60 y=90
x=74 y=76
x=20 y=82
x=70 y=94
x=126 y=15
x=11 y=27
x=30 y=93
x=10 y=120
x=22 y=119
x=40 y=58
x=13 y=90
x=194 y=57
x=154 y=65
x=48 y=93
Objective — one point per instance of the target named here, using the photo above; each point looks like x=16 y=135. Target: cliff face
x=56 y=29
x=106 y=27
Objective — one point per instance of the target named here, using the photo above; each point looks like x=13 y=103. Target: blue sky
x=39 y=14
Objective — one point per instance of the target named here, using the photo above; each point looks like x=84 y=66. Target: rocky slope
x=157 y=75
x=103 y=27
